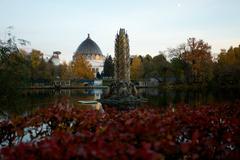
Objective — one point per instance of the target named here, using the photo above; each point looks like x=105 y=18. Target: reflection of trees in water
x=29 y=100
x=149 y=92
x=230 y=94
x=192 y=97
x=195 y=98
x=177 y=97
x=25 y=102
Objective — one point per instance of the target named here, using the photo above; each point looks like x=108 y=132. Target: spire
x=88 y=36
x=122 y=31
x=122 y=57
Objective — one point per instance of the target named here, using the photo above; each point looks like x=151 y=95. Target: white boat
x=88 y=102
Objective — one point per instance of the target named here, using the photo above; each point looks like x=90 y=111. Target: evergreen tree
x=108 y=68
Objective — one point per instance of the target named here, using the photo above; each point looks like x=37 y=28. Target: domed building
x=92 y=53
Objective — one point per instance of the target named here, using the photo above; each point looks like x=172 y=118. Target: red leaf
x=129 y=122
x=185 y=147
x=195 y=136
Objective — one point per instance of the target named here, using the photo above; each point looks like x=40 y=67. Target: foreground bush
x=62 y=132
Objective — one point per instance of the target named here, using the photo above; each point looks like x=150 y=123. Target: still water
x=30 y=100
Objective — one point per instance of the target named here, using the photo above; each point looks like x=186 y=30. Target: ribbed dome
x=88 y=47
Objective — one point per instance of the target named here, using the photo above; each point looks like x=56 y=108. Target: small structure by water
x=94 y=104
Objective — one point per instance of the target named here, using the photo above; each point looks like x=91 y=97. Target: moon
x=179 y=5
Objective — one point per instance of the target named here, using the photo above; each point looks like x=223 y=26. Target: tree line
x=19 y=69
x=189 y=63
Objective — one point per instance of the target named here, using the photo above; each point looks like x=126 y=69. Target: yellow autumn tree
x=136 y=68
x=36 y=58
x=81 y=68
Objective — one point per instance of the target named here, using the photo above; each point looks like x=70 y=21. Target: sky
x=152 y=25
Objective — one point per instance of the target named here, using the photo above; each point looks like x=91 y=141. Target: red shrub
x=205 y=132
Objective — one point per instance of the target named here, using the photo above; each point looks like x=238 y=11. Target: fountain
x=122 y=92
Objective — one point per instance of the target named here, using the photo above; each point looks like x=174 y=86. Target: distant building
x=55 y=58
x=92 y=53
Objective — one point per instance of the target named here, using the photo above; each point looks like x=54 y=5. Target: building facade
x=92 y=53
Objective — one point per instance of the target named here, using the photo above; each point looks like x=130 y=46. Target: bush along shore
x=183 y=132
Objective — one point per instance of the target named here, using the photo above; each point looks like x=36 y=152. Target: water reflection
x=160 y=97
x=30 y=100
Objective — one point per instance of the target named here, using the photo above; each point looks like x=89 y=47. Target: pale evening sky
x=152 y=25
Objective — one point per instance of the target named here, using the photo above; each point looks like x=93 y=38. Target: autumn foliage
x=62 y=132
x=197 y=54
x=81 y=68
x=136 y=68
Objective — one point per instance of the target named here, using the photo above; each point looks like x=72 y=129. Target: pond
x=30 y=100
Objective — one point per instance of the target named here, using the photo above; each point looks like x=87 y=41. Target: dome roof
x=88 y=47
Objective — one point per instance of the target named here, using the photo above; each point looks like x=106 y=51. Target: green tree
x=14 y=67
x=227 y=68
x=147 y=66
x=41 y=70
x=161 y=66
x=108 y=68
x=65 y=71
x=36 y=59
x=14 y=73
x=177 y=68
